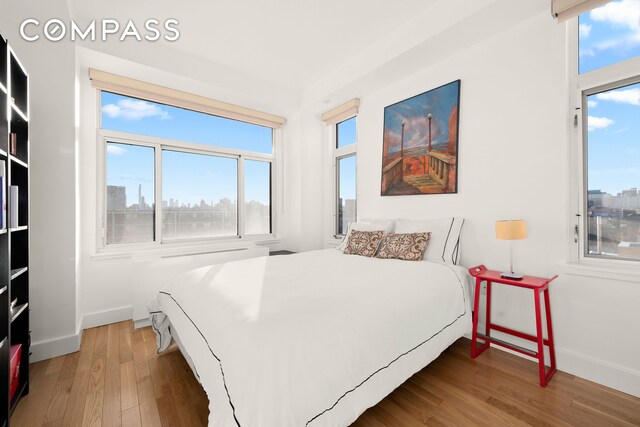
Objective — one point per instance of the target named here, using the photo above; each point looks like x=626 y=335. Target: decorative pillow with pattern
x=409 y=247
x=363 y=243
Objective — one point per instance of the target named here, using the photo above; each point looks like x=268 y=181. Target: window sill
x=172 y=249
x=604 y=270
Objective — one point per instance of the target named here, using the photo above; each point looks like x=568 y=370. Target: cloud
x=592 y=104
x=623 y=96
x=134 y=110
x=585 y=30
x=115 y=149
x=624 y=13
x=595 y=123
x=587 y=53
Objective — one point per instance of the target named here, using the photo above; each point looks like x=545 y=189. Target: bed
x=310 y=339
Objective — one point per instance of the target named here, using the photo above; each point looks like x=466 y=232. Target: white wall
x=513 y=163
x=52 y=268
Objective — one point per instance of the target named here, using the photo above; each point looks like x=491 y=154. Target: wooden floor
x=117 y=379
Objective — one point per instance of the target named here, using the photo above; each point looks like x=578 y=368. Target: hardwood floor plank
x=149 y=415
x=131 y=417
x=94 y=401
x=86 y=349
x=168 y=411
x=126 y=324
x=112 y=412
x=93 y=407
x=74 y=414
x=113 y=341
x=159 y=378
x=59 y=399
x=128 y=387
x=126 y=350
x=605 y=416
x=148 y=335
x=55 y=365
x=70 y=366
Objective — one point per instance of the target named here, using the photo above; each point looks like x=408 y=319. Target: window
x=609 y=34
x=612 y=151
x=345 y=161
x=609 y=42
x=130 y=193
x=173 y=174
x=198 y=195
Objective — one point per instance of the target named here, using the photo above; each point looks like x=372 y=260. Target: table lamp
x=513 y=229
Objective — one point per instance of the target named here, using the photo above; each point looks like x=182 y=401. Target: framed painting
x=420 y=143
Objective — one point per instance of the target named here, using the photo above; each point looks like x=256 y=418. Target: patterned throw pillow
x=363 y=242
x=409 y=247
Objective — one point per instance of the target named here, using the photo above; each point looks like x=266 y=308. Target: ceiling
x=290 y=43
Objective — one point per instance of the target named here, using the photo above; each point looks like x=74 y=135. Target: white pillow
x=445 y=236
x=367 y=225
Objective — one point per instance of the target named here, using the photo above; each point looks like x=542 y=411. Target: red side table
x=539 y=285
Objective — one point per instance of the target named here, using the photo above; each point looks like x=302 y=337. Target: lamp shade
x=513 y=229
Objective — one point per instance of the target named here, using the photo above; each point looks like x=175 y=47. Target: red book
x=14 y=372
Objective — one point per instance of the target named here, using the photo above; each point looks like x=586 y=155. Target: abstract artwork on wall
x=420 y=143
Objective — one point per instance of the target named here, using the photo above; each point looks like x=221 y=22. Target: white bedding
x=313 y=338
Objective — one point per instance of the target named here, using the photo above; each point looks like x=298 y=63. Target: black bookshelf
x=14 y=232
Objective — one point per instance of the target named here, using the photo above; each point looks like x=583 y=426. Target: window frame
x=339 y=153
x=580 y=86
x=159 y=144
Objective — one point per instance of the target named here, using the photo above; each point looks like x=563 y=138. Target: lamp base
x=512 y=276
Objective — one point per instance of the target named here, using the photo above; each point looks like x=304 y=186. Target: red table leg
x=474 y=335
x=539 y=337
x=487 y=328
x=552 y=353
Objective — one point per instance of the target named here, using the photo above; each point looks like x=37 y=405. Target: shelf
x=15 y=108
x=14 y=159
x=3 y=231
x=3 y=89
x=2 y=291
x=18 y=311
x=2 y=152
x=17 y=272
x=21 y=228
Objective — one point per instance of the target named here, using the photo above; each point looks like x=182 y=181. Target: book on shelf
x=13 y=206
x=13 y=143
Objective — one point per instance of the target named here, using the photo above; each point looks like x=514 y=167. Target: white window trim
x=182 y=245
x=577 y=262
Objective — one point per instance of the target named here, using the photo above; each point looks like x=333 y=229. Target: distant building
x=116 y=197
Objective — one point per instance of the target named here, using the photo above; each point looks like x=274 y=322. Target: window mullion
x=158 y=195
x=240 y=203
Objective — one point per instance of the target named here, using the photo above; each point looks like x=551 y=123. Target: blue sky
x=186 y=177
x=609 y=34
x=346 y=135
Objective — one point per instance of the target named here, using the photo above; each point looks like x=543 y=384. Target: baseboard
x=142 y=323
x=599 y=371
x=100 y=318
x=55 y=347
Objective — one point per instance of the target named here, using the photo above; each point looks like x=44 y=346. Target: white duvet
x=313 y=338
